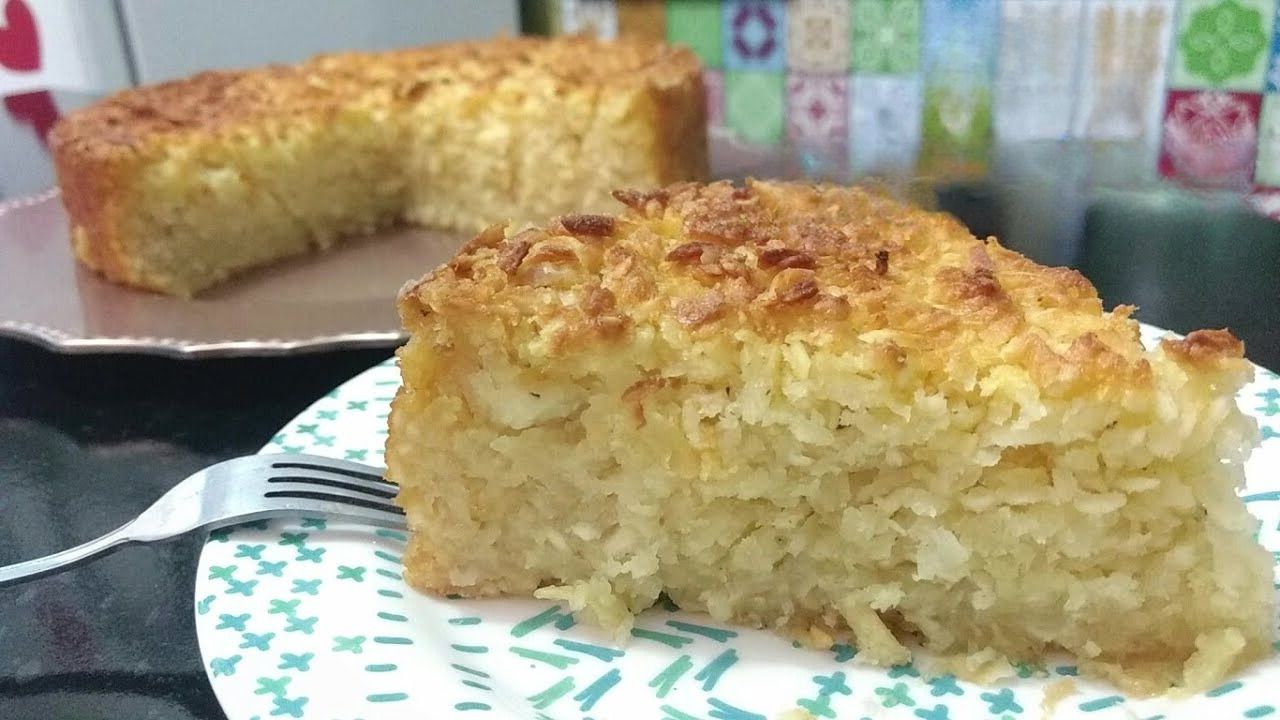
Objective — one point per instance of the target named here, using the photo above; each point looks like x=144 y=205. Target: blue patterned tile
x=1273 y=66
x=961 y=38
x=755 y=35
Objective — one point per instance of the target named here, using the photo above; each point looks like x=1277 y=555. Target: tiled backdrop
x=1187 y=90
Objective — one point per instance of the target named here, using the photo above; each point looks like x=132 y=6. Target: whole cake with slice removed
x=176 y=187
x=814 y=409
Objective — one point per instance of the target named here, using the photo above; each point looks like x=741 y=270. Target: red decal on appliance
x=19 y=41
x=36 y=109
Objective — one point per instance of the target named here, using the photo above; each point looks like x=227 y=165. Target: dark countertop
x=86 y=442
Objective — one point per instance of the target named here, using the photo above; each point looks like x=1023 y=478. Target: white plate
x=308 y=620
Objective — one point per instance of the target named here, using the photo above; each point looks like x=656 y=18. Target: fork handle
x=69 y=558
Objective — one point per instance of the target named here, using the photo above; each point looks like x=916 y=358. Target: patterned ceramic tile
x=1121 y=88
x=960 y=38
x=817 y=122
x=754 y=105
x=1210 y=137
x=696 y=25
x=819 y=35
x=713 y=84
x=1273 y=65
x=755 y=35
x=884 y=123
x=1222 y=44
x=1037 y=81
x=817 y=107
x=1268 y=164
x=885 y=36
x=599 y=17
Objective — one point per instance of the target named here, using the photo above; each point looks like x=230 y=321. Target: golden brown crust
x=96 y=192
x=217 y=101
x=1205 y=347
x=100 y=149
x=88 y=192
x=835 y=265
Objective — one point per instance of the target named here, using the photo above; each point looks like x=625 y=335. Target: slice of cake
x=811 y=408
x=178 y=186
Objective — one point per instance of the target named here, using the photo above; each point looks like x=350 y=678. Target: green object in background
x=755 y=106
x=696 y=24
x=886 y=36
x=956 y=126
x=539 y=17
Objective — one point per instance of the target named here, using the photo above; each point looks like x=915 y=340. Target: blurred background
x=1136 y=140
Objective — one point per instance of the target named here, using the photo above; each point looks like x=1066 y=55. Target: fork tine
x=351 y=496
x=330 y=465
x=384 y=492
x=331 y=474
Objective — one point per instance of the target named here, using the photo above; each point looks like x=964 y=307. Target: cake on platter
x=179 y=186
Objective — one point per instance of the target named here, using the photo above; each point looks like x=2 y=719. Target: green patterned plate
x=312 y=620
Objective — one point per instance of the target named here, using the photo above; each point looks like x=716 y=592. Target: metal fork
x=245 y=489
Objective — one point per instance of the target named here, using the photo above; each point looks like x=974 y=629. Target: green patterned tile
x=1222 y=44
x=886 y=36
x=696 y=24
x=755 y=105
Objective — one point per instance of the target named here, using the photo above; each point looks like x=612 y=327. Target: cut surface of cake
x=813 y=409
x=175 y=187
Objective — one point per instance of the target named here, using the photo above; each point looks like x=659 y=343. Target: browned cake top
x=327 y=83
x=840 y=268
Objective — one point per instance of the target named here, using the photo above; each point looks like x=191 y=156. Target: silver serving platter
x=342 y=298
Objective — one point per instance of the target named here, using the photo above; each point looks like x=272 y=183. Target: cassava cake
x=813 y=409
x=175 y=187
